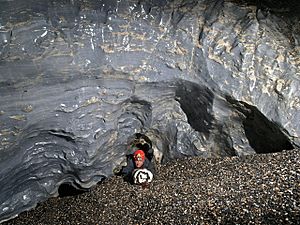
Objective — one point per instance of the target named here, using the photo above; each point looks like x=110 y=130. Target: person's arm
x=126 y=171
x=149 y=154
x=149 y=166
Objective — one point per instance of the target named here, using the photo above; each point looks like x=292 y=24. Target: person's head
x=139 y=158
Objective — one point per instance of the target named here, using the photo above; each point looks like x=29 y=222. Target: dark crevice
x=196 y=101
x=142 y=142
x=264 y=135
x=67 y=189
x=63 y=134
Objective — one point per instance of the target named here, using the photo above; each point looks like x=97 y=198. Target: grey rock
x=79 y=78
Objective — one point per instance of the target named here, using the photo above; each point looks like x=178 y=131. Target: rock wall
x=79 y=78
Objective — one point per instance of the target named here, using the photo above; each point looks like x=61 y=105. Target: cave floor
x=259 y=189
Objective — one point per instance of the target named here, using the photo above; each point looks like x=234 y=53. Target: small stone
x=27 y=108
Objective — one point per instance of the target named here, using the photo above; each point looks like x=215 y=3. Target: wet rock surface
x=79 y=78
x=260 y=189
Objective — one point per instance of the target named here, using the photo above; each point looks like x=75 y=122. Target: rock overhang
x=199 y=77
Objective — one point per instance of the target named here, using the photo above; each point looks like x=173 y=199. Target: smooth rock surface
x=79 y=78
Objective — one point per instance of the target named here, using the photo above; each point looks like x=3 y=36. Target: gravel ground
x=260 y=189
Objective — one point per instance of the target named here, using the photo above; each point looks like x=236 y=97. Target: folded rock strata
x=79 y=78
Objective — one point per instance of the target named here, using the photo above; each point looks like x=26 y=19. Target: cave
x=205 y=79
x=66 y=190
x=264 y=135
x=196 y=102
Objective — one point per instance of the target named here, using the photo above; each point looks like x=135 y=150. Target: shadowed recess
x=66 y=189
x=264 y=136
x=196 y=101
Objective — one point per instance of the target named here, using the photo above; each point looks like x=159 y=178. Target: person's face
x=139 y=163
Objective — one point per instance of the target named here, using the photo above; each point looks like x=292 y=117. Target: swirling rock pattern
x=79 y=78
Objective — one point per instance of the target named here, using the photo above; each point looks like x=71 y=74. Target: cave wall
x=79 y=78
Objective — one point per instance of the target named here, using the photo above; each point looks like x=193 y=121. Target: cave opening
x=264 y=135
x=67 y=189
x=196 y=101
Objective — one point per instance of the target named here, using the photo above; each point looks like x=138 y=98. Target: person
x=139 y=169
x=142 y=173
x=142 y=142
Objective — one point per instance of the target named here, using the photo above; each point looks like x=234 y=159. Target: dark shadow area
x=66 y=189
x=264 y=136
x=63 y=134
x=196 y=101
x=143 y=142
x=282 y=7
